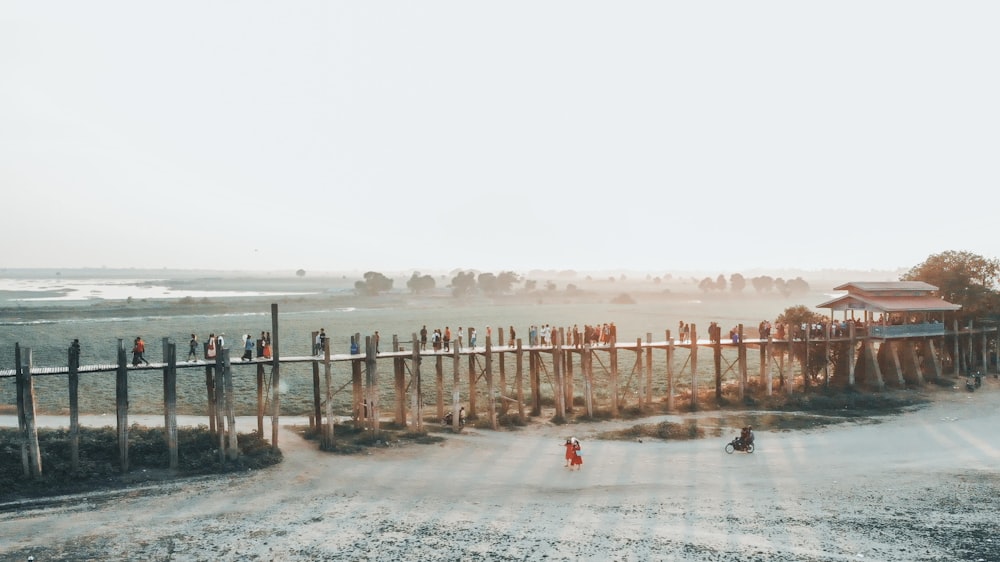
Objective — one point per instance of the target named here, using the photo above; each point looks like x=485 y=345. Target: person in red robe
x=570 y=452
x=577 y=460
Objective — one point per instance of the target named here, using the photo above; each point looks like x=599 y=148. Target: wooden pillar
x=649 y=369
x=31 y=453
x=519 y=382
x=399 y=374
x=560 y=390
x=694 y=367
x=957 y=364
x=371 y=385
x=716 y=337
x=613 y=349
x=260 y=399
x=121 y=406
x=220 y=399
x=536 y=385
x=894 y=353
x=587 y=366
x=935 y=359
x=232 y=444
x=566 y=358
x=456 y=407
x=170 y=402
x=503 y=375
x=275 y=377
x=741 y=358
x=806 y=375
x=417 y=399
x=851 y=350
x=491 y=396
x=640 y=371
x=789 y=381
x=210 y=390
x=439 y=374
x=670 y=372
x=317 y=396
x=871 y=362
x=328 y=379
x=357 y=387
x=766 y=359
x=763 y=370
x=164 y=352
x=826 y=355
x=74 y=408
x=472 y=380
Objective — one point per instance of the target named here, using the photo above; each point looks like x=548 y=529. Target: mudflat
x=922 y=485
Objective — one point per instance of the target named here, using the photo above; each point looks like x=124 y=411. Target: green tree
x=464 y=283
x=961 y=278
x=487 y=283
x=506 y=280
x=420 y=283
x=763 y=284
x=373 y=284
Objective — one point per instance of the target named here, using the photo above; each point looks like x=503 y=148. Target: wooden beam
x=275 y=377
x=74 y=406
x=121 y=406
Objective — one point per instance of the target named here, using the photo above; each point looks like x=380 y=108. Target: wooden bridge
x=903 y=357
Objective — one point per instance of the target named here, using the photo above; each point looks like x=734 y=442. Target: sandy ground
x=920 y=486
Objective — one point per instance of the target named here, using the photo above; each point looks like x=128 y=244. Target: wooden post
x=455 y=391
x=766 y=364
x=74 y=408
x=164 y=351
x=30 y=450
x=328 y=379
x=399 y=373
x=358 y=389
x=210 y=389
x=613 y=349
x=649 y=369
x=260 y=400
x=741 y=354
x=763 y=374
x=587 y=366
x=826 y=355
x=275 y=377
x=472 y=380
x=417 y=399
x=789 y=382
x=957 y=364
x=670 y=372
x=491 y=397
x=371 y=385
x=121 y=406
x=503 y=375
x=715 y=334
x=317 y=397
x=851 y=347
x=221 y=363
x=233 y=446
x=170 y=401
x=694 y=367
x=639 y=371
x=536 y=385
x=518 y=380
x=220 y=398
x=806 y=375
x=439 y=377
x=566 y=360
x=559 y=391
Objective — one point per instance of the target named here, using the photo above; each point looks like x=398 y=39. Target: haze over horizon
x=590 y=136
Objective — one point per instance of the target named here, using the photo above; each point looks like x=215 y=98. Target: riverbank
x=922 y=485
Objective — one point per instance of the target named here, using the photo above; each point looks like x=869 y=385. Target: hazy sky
x=391 y=136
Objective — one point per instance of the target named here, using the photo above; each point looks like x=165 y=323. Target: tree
x=763 y=284
x=795 y=317
x=706 y=284
x=373 y=284
x=720 y=282
x=737 y=283
x=487 y=283
x=506 y=280
x=464 y=283
x=301 y=273
x=530 y=285
x=420 y=283
x=961 y=278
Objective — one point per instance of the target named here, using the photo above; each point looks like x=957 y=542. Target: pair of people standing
x=139 y=352
x=574 y=454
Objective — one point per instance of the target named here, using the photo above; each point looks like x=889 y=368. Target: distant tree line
x=762 y=284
